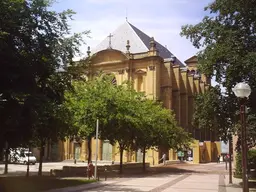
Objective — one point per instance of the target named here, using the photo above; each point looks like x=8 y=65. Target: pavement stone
x=151 y=184
x=234 y=187
x=196 y=183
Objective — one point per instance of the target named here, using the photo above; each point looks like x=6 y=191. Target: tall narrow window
x=114 y=81
x=140 y=83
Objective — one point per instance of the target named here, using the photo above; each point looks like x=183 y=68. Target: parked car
x=21 y=155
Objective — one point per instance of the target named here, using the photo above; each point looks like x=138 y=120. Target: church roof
x=139 y=42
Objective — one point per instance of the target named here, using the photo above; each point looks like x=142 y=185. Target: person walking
x=218 y=159
x=163 y=158
x=90 y=168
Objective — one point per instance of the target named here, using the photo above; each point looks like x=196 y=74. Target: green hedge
x=251 y=162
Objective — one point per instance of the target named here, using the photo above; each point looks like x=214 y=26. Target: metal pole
x=27 y=175
x=226 y=161
x=244 y=147
x=96 y=156
x=230 y=162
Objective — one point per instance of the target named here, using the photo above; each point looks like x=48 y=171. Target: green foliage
x=34 y=45
x=158 y=127
x=251 y=131
x=212 y=112
x=227 y=39
x=251 y=162
x=126 y=117
x=207 y=109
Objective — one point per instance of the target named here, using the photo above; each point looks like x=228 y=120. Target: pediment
x=140 y=71
x=192 y=61
x=108 y=56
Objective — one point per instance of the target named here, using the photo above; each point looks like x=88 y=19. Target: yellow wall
x=196 y=155
x=161 y=80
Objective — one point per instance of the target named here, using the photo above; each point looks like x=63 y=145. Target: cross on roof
x=109 y=43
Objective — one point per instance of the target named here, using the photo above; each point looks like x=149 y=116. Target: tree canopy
x=228 y=42
x=35 y=42
x=126 y=117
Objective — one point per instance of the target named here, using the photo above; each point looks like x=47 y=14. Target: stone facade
x=161 y=79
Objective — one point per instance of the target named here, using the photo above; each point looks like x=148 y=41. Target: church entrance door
x=139 y=156
x=54 y=152
x=106 y=151
x=77 y=150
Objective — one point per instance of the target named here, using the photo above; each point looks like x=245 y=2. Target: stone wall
x=75 y=171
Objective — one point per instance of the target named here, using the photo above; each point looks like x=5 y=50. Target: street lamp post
x=230 y=160
x=96 y=156
x=243 y=91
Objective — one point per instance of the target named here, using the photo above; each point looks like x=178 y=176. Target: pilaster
x=176 y=92
x=184 y=100
x=191 y=92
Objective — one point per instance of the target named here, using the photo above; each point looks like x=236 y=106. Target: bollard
x=105 y=173
x=74 y=161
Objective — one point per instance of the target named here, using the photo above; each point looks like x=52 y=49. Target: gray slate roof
x=139 y=42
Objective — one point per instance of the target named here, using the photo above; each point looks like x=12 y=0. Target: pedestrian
x=163 y=158
x=218 y=159
x=90 y=168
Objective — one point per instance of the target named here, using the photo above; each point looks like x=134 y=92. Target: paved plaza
x=209 y=177
x=161 y=183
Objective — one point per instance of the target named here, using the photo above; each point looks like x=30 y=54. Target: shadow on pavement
x=116 y=188
x=153 y=171
x=34 y=184
x=23 y=173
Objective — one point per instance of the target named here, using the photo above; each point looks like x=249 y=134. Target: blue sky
x=161 y=19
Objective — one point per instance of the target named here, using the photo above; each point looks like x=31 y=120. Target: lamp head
x=242 y=90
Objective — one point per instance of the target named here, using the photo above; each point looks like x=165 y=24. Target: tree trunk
x=1 y=152
x=144 y=159
x=27 y=175
x=89 y=142
x=121 y=160
x=48 y=149
x=6 y=154
x=41 y=159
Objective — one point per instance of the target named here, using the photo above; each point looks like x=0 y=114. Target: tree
x=34 y=45
x=123 y=117
x=126 y=117
x=212 y=112
x=86 y=103
x=158 y=128
x=227 y=39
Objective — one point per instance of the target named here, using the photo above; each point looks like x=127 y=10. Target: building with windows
x=130 y=54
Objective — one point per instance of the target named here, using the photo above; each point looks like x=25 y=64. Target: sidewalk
x=90 y=186
x=235 y=186
x=163 y=183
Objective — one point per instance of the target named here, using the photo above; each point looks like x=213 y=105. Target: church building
x=130 y=54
